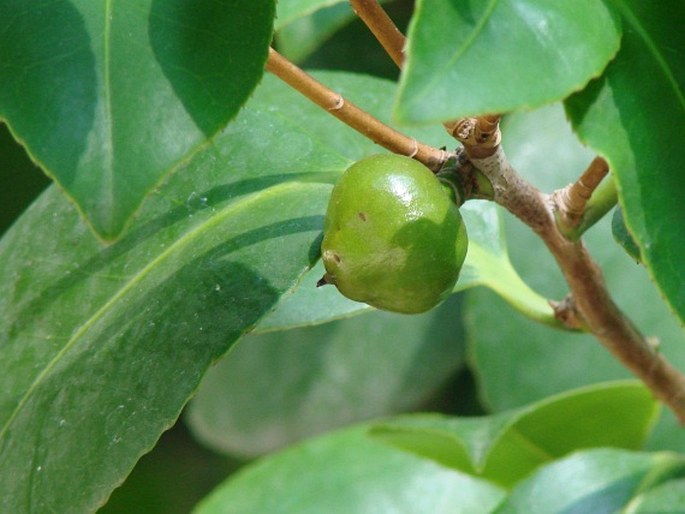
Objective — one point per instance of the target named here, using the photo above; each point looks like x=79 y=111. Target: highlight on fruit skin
x=393 y=238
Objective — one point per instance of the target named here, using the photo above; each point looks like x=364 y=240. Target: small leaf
x=506 y=447
x=276 y=388
x=347 y=472
x=468 y=58
x=637 y=125
x=110 y=97
x=597 y=481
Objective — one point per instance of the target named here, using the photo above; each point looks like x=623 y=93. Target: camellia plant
x=528 y=159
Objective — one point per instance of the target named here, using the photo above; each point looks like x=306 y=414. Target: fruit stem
x=356 y=118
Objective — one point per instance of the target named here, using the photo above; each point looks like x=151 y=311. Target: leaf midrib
x=179 y=244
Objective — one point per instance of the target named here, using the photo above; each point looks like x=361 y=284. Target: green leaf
x=299 y=38
x=506 y=447
x=280 y=387
x=517 y=361
x=347 y=472
x=598 y=481
x=637 y=125
x=109 y=97
x=476 y=57
x=101 y=346
x=292 y=10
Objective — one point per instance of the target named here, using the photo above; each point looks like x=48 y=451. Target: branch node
x=480 y=136
x=415 y=151
x=339 y=104
x=572 y=200
x=567 y=312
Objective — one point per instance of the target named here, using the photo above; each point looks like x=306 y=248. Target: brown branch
x=380 y=24
x=352 y=115
x=598 y=311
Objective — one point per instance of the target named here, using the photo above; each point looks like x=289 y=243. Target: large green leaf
x=638 y=125
x=276 y=388
x=475 y=57
x=101 y=346
x=506 y=447
x=599 y=481
x=347 y=472
x=109 y=97
x=518 y=361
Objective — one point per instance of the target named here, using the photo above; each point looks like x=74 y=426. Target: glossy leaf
x=506 y=447
x=476 y=57
x=601 y=481
x=101 y=346
x=346 y=472
x=277 y=388
x=637 y=125
x=517 y=361
x=109 y=97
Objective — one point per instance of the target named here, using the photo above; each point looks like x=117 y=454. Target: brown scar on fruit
x=362 y=217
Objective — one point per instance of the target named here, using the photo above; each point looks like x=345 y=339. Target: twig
x=380 y=24
x=591 y=299
x=352 y=115
x=572 y=202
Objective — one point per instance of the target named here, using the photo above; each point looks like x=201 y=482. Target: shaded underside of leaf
x=476 y=57
x=634 y=115
x=109 y=97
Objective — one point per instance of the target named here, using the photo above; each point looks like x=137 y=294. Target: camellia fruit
x=393 y=236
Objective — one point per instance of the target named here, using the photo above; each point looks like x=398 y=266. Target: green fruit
x=393 y=238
